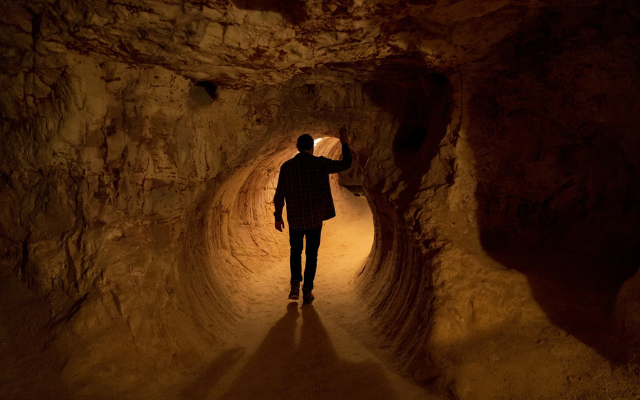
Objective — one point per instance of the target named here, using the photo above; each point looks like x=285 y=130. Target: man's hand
x=279 y=225
x=344 y=138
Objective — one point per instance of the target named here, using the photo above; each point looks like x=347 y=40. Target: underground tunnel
x=487 y=237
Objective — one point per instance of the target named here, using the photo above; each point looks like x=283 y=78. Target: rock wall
x=496 y=144
x=102 y=175
x=524 y=223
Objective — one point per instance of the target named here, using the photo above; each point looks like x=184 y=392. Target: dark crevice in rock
x=293 y=11
x=210 y=87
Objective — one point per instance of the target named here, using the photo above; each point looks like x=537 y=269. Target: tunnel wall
x=114 y=176
x=168 y=184
x=108 y=171
x=539 y=158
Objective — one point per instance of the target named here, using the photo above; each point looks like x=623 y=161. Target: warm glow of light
x=315 y=142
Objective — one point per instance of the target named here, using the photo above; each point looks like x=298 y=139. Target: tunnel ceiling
x=231 y=43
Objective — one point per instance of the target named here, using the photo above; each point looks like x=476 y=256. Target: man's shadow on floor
x=280 y=370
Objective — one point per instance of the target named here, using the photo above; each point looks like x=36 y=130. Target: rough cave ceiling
x=250 y=42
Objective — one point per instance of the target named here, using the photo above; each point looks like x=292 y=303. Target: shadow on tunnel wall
x=284 y=369
x=291 y=10
x=419 y=100
x=558 y=195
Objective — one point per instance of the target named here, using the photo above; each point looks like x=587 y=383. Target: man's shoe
x=307 y=296
x=294 y=294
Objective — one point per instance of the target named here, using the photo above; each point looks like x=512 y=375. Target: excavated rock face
x=495 y=141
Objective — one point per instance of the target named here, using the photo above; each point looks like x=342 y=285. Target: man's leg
x=313 y=243
x=295 y=260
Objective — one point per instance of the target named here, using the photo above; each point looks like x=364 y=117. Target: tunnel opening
x=242 y=232
x=522 y=209
x=244 y=242
x=386 y=268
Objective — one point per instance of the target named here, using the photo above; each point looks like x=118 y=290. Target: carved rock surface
x=496 y=142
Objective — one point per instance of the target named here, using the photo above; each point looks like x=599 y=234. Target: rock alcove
x=491 y=248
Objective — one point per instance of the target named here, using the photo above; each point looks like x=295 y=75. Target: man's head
x=305 y=143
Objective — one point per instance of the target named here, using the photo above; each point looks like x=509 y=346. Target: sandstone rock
x=495 y=141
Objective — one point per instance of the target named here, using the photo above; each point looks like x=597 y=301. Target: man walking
x=304 y=185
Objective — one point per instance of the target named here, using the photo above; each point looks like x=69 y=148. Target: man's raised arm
x=344 y=164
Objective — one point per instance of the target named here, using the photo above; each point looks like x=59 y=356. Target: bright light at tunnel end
x=315 y=142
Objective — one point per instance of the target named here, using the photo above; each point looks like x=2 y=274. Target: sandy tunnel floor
x=281 y=349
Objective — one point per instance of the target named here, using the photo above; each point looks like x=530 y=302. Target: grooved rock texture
x=496 y=142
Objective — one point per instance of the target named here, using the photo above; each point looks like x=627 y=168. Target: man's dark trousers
x=295 y=262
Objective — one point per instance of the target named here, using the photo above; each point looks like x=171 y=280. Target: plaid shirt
x=304 y=184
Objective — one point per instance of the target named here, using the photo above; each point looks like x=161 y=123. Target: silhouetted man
x=304 y=184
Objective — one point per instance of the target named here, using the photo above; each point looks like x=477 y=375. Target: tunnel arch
x=234 y=240
x=117 y=181
x=398 y=268
x=241 y=215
